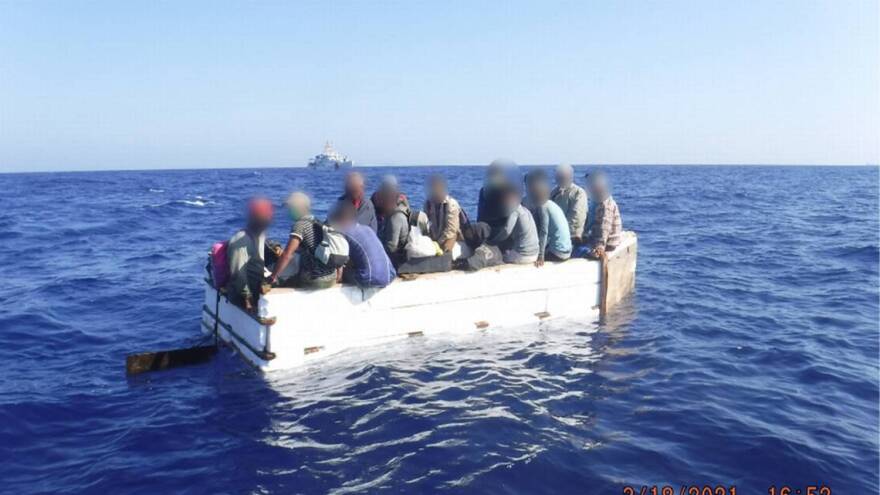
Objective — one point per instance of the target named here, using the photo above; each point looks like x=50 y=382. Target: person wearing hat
x=246 y=257
x=572 y=199
x=305 y=235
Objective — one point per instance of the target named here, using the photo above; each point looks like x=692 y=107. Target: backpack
x=333 y=248
x=219 y=264
x=413 y=218
x=483 y=257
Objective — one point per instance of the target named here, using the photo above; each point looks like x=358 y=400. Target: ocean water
x=747 y=356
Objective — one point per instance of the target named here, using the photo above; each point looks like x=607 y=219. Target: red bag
x=219 y=264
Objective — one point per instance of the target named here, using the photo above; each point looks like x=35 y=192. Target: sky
x=93 y=85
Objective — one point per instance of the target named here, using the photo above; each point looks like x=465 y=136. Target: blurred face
x=297 y=211
x=437 y=190
x=388 y=200
x=513 y=199
x=298 y=206
x=260 y=213
x=495 y=175
x=598 y=185
x=343 y=217
x=541 y=192
x=354 y=185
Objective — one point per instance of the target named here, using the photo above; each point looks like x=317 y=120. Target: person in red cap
x=246 y=255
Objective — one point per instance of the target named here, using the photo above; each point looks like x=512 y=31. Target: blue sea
x=747 y=356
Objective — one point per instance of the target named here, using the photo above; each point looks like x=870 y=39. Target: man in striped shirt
x=606 y=228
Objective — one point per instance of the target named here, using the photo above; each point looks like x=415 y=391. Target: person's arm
x=238 y=281
x=480 y=206
x=599 y=232
x=374 y=223
x=502 y=234
x=542 y=222
x=579 y=216
x=450 y=233
x=391 y=232
x=285 y=257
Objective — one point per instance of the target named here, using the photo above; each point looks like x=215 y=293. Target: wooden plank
x=618 y=276
x=155 y=361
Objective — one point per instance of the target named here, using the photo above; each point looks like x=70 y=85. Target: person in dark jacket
x=518 y=237
x=388 y=183
x=394 y=227
x=355 y=196
x=492 y=208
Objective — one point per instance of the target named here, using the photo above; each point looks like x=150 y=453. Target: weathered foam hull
x=301 y=325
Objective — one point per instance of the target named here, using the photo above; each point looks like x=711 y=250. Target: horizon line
x=599 y=165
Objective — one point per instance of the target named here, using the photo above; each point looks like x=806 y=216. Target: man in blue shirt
x=554 y=236
x=368 y=264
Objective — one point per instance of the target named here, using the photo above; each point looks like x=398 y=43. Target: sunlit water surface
x=748 y=354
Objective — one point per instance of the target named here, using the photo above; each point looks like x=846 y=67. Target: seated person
x=388 y=183
x=572 y=199
x=554 y=239
x=368 y=265
x=246 y=257
x=492 y=207
x=354 y=196
x=444 y=214
x=518 y=237
x=607 y=227
x=305 y=235
x=394 y=226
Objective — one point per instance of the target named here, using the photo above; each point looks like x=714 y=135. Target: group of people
x=385 y=236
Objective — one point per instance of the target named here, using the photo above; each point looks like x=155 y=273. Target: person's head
x=386 y=196
x=298 y=205
x=597 y=182
x=512 y=197
x=388 y=181
x=354 y=185
x=260 y=213
x=538 y=186
x=437 y=189
x=497 y=171
x=344 y=215
x=564 y=175
x=387 y=199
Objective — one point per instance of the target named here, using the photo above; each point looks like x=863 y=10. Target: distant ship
x=330 y=159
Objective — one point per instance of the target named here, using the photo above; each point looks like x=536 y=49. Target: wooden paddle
x=163 y=360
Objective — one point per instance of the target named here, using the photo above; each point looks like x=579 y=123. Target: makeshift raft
x=295 y=326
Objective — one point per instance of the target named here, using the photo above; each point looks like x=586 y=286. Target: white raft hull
x=302 y=325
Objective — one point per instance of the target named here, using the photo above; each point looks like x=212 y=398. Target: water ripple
x=748 y=354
